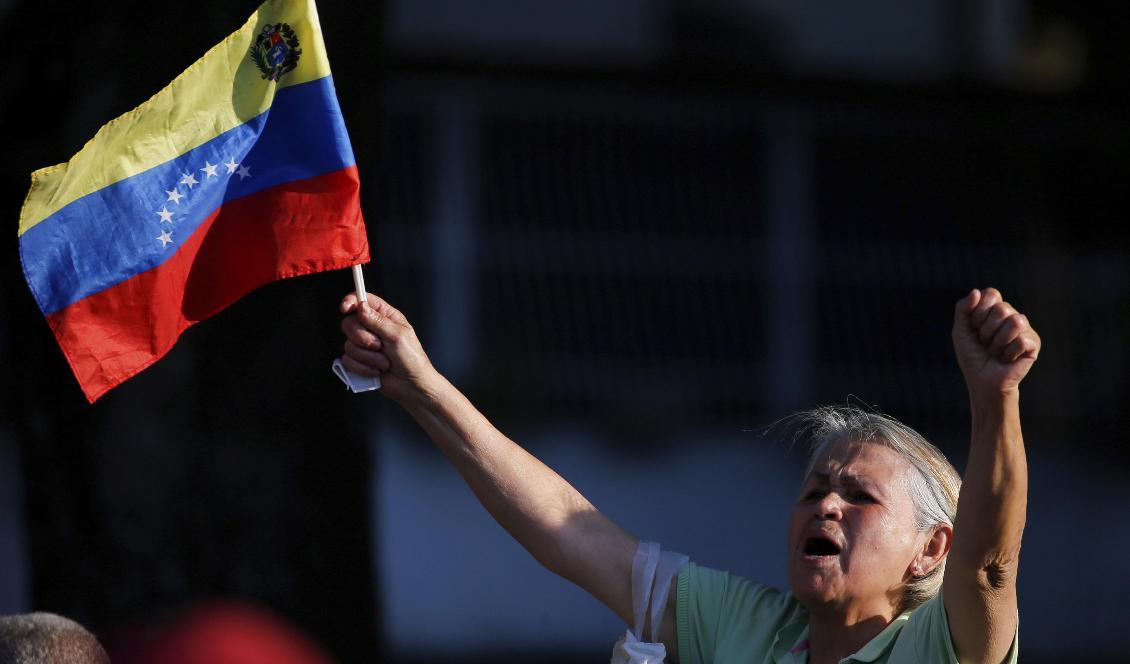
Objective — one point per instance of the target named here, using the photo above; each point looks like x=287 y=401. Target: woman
x=883 y=565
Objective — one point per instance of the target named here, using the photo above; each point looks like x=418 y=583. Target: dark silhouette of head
x=46 y=638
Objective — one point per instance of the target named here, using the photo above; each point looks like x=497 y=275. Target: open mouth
x=820 y=546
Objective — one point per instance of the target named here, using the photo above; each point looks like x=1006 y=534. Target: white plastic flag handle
x=353 y=381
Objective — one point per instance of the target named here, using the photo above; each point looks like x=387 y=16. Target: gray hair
x=933 y=487
x=46 y=638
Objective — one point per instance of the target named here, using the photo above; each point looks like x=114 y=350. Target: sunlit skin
x=857 y=497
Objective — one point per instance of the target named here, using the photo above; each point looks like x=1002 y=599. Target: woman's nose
x=829 y=508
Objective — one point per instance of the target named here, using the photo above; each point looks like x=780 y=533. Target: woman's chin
x=815 y=586
x=815 y=600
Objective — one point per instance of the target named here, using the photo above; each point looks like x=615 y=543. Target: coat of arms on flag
x=275 y=51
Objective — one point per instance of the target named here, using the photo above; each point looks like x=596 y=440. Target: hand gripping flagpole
x=353 y=381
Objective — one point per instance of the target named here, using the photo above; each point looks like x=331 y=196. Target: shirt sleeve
x=930 y=640
x=699 y=604
x=716 y=611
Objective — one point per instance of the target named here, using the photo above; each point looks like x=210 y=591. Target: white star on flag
x=189 y=180
x=165 y=215
x=209 y=170
x=174 y=196
x=243 y=172
x=230 y=165
x=165 y=237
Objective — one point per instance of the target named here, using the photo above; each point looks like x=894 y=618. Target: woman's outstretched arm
x=550 y=518
x=995 y=346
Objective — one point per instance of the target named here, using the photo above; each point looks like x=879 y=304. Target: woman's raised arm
x=550 y=518
x=995 y=348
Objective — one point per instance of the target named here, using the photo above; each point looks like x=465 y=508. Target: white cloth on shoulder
x=652 y=571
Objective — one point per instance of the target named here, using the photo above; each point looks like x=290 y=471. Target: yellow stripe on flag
x=185 y=114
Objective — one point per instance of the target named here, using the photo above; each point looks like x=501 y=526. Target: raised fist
x=995 y=344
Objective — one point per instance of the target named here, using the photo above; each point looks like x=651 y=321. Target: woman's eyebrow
x=816 y=476
x=843 y=478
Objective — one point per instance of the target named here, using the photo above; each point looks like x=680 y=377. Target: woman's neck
x=835 y=634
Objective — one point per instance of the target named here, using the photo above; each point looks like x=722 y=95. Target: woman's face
x=852 y=535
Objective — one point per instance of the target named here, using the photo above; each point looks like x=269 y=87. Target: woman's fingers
x=386 y=310
x=359 y=368
x=964 y=307
x=348 y=303
x=1015 y=339
x=1014 y=350
x=361 y=336
x=994 y=319
x=1007 y=331
x=376 y=304
x=989 y=298
x=1025 y=344
x=375 y=359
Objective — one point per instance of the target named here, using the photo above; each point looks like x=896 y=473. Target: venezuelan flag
x=238 y=173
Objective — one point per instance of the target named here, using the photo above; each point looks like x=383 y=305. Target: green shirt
x=725 y=618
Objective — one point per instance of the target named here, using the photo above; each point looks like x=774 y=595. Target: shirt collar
x=792 y=640
x=791 y=643
x=882 y=641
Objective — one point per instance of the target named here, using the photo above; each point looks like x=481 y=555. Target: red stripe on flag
x=296 y=228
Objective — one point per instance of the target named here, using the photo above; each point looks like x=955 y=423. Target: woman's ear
x=933 y=551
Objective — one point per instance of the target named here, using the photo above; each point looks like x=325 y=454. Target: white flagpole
x=359 y=285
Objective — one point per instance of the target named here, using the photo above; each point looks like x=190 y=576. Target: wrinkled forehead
x=872 y=461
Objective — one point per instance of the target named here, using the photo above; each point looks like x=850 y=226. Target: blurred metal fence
x=656 y=256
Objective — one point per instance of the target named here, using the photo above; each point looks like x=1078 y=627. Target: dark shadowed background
x=635 y=233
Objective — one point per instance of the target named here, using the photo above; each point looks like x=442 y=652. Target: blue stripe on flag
x=131 y=226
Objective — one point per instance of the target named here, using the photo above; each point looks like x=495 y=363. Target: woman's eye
x=861 y=497
x=814 y=494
